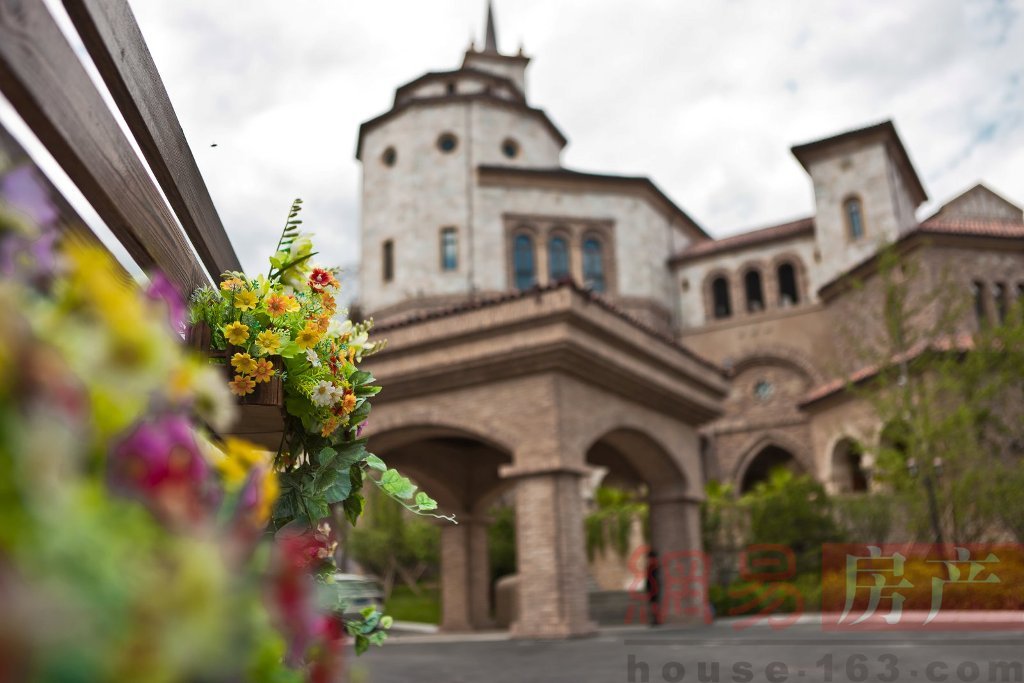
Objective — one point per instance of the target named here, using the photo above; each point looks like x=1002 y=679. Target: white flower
x=323 y=394
x=213 y=400
x=335 y=328
x=313 y=359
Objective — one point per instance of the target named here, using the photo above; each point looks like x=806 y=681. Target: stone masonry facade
x=543 y=322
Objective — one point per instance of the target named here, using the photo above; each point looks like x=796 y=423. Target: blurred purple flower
x=23 y=189
x=162 y=289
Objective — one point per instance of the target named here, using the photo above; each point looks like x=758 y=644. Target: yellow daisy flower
x=277 y=305
x=268 y=342
x=264 y=370
x=236 y=333
x=246 y=300
x=243 y=363
x=309 y=336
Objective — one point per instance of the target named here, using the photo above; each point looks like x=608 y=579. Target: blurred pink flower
x=162 y=289
x=160 y=462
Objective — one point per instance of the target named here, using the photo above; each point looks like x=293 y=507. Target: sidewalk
x=405 y=632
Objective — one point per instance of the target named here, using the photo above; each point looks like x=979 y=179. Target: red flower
x=320 y=279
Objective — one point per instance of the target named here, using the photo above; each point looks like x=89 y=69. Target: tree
x=947 y=395
x=393 y=543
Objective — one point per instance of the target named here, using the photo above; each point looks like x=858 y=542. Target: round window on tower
x=389 y=157
x=510 y=148
x=446 y=142
x=763 y=390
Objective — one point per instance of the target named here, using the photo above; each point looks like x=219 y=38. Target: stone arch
x=461 y=468
x=779 y=355
x=638 y=455
x=770 y=446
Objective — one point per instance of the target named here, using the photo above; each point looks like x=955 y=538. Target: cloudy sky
x=704 y=97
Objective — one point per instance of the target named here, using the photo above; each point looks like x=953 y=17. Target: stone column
x=675 y=535
x=552 y=562
x=479 y=574
x=455 y=578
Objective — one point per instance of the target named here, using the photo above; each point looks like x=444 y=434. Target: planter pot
x=261 y=413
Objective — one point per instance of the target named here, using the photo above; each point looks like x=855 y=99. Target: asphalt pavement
x=721 y=652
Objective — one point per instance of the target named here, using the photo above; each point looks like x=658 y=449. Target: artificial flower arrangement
x=284 y=327
x=138 y=543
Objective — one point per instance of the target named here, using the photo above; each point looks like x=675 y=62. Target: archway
x=760 y=467
x=638 y=464
x=848 y=472
x=461 y=471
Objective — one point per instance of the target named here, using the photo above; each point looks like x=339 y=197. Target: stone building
x=544 y=321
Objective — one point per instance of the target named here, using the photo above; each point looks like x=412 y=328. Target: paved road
x=799 y=653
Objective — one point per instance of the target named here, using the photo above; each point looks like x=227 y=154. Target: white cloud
x=706 y=98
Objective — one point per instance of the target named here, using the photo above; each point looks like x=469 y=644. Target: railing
x=44 y=80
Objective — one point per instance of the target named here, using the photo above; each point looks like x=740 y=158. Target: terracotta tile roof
x=773 y=233
x=933 y=227
x=960 y=342
x=980 y=227
x=590 y=296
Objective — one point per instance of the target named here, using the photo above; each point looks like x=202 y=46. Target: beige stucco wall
x=693 y=278
x=427 y=189
x=865 y=172
x=643 y=237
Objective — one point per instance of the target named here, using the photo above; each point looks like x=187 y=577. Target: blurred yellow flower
x=246 y=300
x=236 y=333
x=242 y=385
x=243 y=363
x=268 y=342
x=232 y=285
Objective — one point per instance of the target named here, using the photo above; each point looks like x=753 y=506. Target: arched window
x=1001 y=299
x=720 y=297
x=753 y=290
x=980 y=310
x=854 y=218
x=522 y=262
x=848 y=472
x=558 y=259
x=593 y=265
x=388 y=260
x=789 y=294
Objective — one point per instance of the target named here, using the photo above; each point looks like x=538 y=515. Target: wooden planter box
x=261 y=413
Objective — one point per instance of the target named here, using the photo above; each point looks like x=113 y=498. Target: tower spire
x=491 y=41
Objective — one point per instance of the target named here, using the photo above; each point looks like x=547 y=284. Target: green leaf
x=353 y=506
x=386 y=622
x=360 y=377
x=290 y=350
x=425 y=502
x=362 y=644
x=376 y=463
x=396 y=485
x=339 y=491
x=326 y=455
x=351 y=452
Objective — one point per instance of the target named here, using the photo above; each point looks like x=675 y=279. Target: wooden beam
x=114 y=40
x=41 y=76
